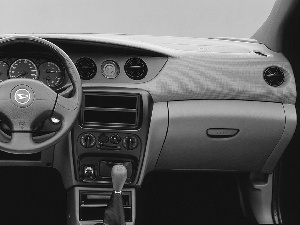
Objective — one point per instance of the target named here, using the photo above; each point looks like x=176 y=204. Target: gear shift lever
x=118 y=176
x=114 y=213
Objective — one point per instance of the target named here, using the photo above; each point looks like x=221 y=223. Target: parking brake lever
x=114 y=213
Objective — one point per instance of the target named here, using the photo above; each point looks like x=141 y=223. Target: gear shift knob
x=118 y=176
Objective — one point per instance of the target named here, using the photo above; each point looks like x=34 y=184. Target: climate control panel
x=109 y=141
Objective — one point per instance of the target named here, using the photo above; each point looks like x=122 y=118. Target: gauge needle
x=21 y=73
x=50 y=71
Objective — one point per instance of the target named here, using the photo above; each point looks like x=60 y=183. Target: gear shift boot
x=114 y=213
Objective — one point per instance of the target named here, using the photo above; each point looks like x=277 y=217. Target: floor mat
x=188 y=198
x=32 y=196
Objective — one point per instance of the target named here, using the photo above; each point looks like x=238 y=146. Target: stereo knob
x=130 y=142
x=87 y=140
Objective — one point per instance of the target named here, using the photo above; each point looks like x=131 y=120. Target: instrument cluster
x=48 y=71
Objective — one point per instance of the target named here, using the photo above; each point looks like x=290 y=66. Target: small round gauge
x=3 y=71
x=23 y=68
x=110 y=69
x=51 y=74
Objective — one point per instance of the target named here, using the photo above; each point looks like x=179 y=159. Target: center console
x=112 y=129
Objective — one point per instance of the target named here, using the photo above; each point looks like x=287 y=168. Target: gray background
x=194 y=18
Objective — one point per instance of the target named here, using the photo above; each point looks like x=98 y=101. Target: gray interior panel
x=157 y=133
x=290 y=127
x=188 y=146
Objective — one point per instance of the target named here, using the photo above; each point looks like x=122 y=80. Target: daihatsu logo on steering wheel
x=22 y=96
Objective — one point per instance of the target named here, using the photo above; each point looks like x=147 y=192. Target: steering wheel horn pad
x=22 y=96
x=25 y=102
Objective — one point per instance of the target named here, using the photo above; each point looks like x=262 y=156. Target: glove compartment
x=195 y=138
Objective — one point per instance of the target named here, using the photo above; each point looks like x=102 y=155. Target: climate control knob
x=115 y=139
x=130 y=142
x=87 y=140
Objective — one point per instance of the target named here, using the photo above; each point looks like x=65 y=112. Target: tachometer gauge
x=51 y=74
x=3 y=71
x=23 y=68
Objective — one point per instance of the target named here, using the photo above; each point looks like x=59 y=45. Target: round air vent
x=136 y=68
x=86 y=67
x=274 y=76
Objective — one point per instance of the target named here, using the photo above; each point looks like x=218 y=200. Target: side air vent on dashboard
x=136 y=68
x=86 y=67
x=274 y=76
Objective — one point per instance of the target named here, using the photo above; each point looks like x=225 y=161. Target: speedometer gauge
x=23 y=68
x=51 y=74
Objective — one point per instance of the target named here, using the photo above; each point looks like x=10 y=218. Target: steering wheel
x=26 y=102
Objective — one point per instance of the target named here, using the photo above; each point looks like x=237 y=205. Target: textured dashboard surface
x=203 y=68
x=220 y=77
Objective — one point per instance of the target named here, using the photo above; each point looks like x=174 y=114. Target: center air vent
x=111 y=110
x=136 y=68
x=274 y=76
x=86 y=67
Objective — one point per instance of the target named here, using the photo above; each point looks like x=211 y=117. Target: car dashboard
x=163 y=103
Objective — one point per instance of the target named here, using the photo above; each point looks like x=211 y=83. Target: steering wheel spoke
x=21 y=142
x=66 y=108
x=69 y=104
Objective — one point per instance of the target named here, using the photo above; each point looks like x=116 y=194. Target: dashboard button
x=103 y=138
